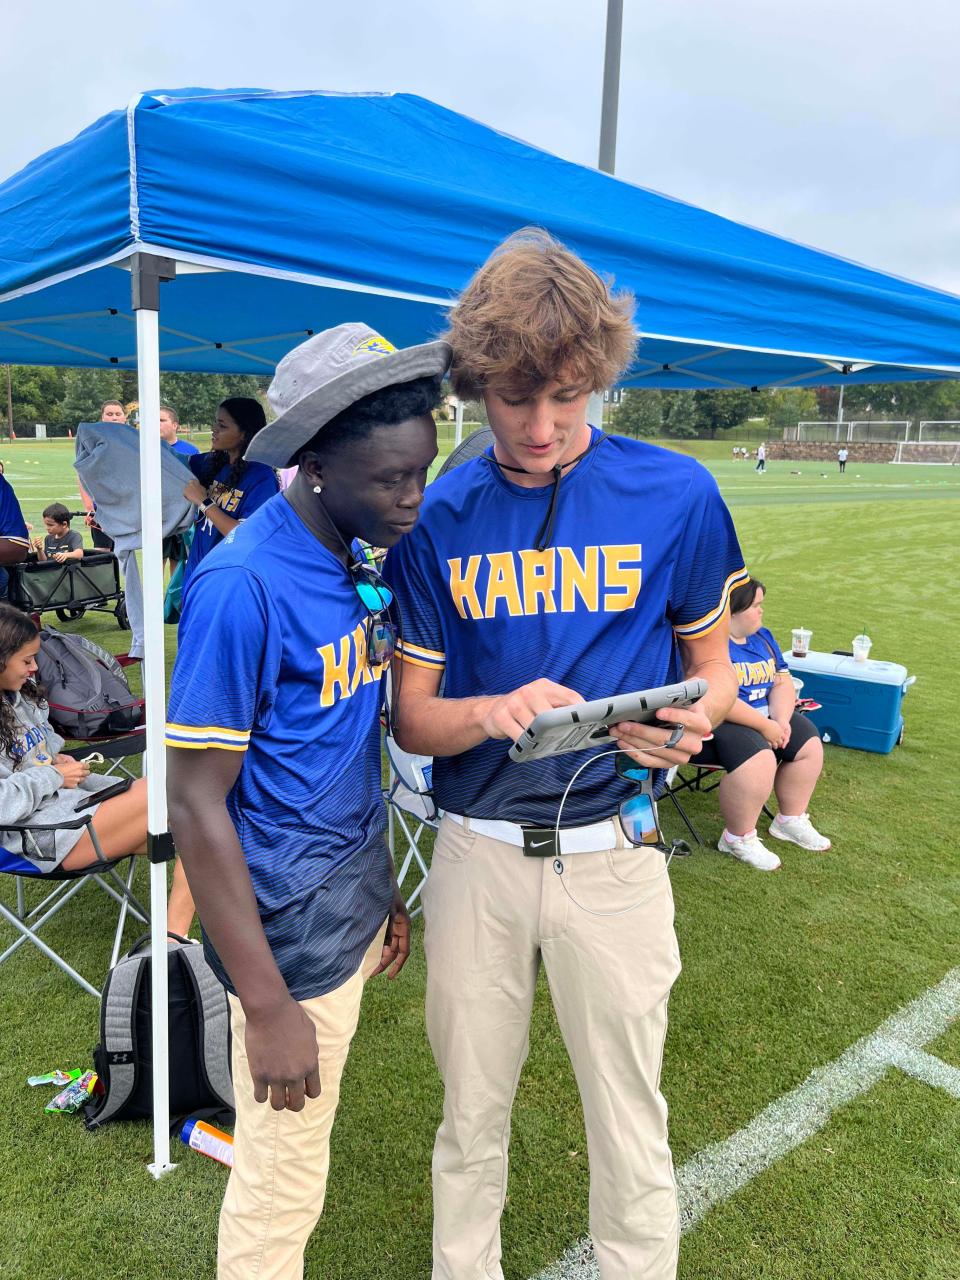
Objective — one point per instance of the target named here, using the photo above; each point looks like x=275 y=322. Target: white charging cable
x=558 y=864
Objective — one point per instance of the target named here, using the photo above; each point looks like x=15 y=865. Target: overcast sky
x=834 y=122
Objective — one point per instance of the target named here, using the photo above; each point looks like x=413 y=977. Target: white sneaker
x=749 y=850
x=799 y=831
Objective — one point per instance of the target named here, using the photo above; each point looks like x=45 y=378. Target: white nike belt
x=590 y=839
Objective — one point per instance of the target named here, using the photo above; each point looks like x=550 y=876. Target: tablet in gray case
x=585 y=724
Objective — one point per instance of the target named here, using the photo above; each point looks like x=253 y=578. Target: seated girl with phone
x=42 y=786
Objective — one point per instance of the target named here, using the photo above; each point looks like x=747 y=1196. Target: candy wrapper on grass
x=57 y=1077
x=73 y=1097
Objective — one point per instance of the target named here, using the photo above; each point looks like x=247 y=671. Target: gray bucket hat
x=327 y=373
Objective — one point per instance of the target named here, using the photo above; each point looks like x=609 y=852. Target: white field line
x=714 y=1174
x=811 y=486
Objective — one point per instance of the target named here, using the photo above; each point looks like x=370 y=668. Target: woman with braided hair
x=226 y=489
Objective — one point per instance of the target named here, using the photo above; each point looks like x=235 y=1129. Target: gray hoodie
x=108 y=464
x=32 y=790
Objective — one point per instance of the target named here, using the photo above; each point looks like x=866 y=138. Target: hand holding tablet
x=586 y=724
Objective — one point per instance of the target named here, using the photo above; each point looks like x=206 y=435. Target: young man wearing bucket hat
x=274 y=764
x=562 y=564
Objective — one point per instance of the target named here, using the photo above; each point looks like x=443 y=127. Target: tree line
x=64 y=397
x=651 y=414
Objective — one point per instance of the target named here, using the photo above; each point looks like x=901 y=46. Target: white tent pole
x=458 y=430
x=146 y=301
x=595 y=409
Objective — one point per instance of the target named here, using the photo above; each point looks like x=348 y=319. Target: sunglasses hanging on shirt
x=638 y=813
x=376 y=597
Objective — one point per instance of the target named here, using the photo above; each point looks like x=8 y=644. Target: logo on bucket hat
x=380 y=345
x=327 y=373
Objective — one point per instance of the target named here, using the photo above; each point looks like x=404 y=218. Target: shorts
x=173 y=547
x=100 y=539
x=734 y=744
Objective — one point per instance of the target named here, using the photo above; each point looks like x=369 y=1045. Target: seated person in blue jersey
x=14 y=537
x=764 y=744
x=561 y=564
x=274 y=763
x=227 y=487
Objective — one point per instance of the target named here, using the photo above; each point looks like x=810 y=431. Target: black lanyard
x=545 y=534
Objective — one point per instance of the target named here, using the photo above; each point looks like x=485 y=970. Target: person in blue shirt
x=560 y=565
x=169 y=427
x=764 y=744
x=14 y=536
x=173 y=545
x=274 y=778
x=226 y=488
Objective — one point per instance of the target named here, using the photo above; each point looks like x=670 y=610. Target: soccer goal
x=816 y=432
x=944 y=430
x=886 y=432
x=942 y=453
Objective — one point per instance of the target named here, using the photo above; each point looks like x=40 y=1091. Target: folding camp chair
x=702 y=779
x=28 y=921
x=678 y=783
x=411 y=811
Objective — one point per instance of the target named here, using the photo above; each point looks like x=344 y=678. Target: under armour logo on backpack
x=118 y=1059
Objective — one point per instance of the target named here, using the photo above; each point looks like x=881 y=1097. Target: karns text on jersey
x=557 y=580
x=346 y=666
x=751 y=673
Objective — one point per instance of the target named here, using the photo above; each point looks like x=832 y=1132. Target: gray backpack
x=199 y=1035
x=86 y=689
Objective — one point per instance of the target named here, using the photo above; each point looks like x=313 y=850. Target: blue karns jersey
x=272 y=663
x=11 y=517
x=756 y=662
x=258 y=485
x=643 y=551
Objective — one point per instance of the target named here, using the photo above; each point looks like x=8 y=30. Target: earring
x=318 y=488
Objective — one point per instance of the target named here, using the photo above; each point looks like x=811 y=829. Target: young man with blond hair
x=563 y=564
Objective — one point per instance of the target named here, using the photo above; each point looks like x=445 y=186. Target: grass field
x=782 y=974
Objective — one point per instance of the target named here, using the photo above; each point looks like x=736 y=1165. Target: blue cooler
x=861 y=701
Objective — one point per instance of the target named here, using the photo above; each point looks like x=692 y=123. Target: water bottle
x=208 y=1140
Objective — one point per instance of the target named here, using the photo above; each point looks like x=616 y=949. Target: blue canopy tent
x=249 y=219
x=398 y=200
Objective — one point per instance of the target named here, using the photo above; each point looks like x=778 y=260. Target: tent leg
x=146 y=275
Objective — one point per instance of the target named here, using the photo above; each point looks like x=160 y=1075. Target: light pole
x=609 y=101
x=611 y=87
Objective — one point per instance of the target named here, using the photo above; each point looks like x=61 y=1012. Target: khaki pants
x=277 y=1185
x=491 y=914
